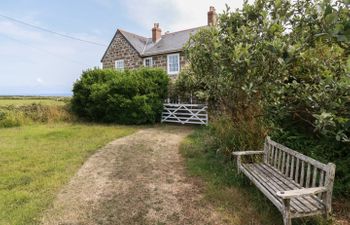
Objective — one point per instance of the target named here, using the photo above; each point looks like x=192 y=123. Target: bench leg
x=239 y=164
x=287 y=220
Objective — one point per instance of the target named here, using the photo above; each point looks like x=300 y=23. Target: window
x=148 y=62
x=119 y=64
x=174 y=64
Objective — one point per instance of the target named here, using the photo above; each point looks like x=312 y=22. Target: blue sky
x=33 y=62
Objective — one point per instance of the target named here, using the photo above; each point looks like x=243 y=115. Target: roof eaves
x=163 y=52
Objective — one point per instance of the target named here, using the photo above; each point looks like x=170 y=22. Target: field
x=37 y=159
x=19 y=101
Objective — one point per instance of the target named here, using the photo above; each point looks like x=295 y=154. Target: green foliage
x=128 y=97
x=283 y=65
x=15 y=116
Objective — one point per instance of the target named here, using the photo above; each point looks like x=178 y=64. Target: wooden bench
x=297 y=185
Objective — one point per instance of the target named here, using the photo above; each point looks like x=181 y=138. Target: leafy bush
x=125 y=97
x=281 y=65
x=11 y=119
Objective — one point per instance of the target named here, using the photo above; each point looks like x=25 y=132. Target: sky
x=34 y=62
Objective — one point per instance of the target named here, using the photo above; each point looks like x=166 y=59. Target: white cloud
x=175 y=15
x=39 y=80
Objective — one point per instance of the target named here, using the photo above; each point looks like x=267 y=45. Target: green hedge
x=124 y=97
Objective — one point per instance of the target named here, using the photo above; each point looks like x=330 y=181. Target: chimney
x=156 y=33
x=212 y=16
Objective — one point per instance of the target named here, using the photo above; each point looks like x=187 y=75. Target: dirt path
x=139 y=179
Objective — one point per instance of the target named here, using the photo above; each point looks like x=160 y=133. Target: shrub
x=12 y=119
x=125 y=97
x=15 y=116
x=285 y=62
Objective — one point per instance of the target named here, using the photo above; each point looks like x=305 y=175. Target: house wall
x=121 y=49
x=160 y=61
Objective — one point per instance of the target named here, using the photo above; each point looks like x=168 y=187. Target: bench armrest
x=247 y=153
x=300 y=192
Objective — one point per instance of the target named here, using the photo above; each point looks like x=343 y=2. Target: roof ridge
x=121 y=30
x=184 y=30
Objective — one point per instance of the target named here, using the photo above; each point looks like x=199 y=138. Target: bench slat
x=314 y=201
x=274 y=182
x=263 y=189
x=303 y=202
x=296 y=179
x=302 y=173
x=272 y=188
x=299 y=155
x=308 y=175
x=291 y=175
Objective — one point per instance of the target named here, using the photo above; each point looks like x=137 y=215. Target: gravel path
x=139 y=179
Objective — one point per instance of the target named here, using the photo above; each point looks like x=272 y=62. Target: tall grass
x=237 y=134
x=14 y=116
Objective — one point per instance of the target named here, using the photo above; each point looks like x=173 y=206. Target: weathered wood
x=302 y=173
x=296 y=179
x=297 y=185
x=276 y=153
x=248 y=153
x=279 y=159
x=291 y=175
x=239 y=163
x=308 y=174
x=321 y=182
x=299 y=206
x=330 y=174
x=185 y=114
x=299 y=155
x=287 y=219
x=287 y=165
x=311 y=203
x=283 y=167
x=275 y=183
x=301 y=192
x=264 y=190
x=314 y=177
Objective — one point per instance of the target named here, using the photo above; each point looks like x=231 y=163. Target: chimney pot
x=156 y=33
x=212 y=16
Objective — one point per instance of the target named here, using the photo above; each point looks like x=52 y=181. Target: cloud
x=39 y=80
x=175 y=15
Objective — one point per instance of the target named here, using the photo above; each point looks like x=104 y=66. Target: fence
x=185 y=113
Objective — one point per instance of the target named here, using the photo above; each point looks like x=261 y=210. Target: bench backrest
x=302 y=169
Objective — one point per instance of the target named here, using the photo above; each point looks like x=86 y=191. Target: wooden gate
x=185 y=113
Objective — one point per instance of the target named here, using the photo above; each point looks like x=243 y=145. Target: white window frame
x=151 y=61
x=117 y=63
x=178 y=64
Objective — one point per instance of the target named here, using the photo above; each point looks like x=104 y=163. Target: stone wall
x=121 y=49
x=160 y=61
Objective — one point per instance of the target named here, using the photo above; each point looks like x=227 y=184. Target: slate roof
x=171 y=42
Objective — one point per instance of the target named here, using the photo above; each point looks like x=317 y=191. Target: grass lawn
x=36 y=160
x=6 y=101
x=240 y=202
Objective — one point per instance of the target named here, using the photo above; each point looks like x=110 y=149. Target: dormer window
x=148 y=62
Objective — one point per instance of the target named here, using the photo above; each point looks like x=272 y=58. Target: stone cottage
x=129 y=51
